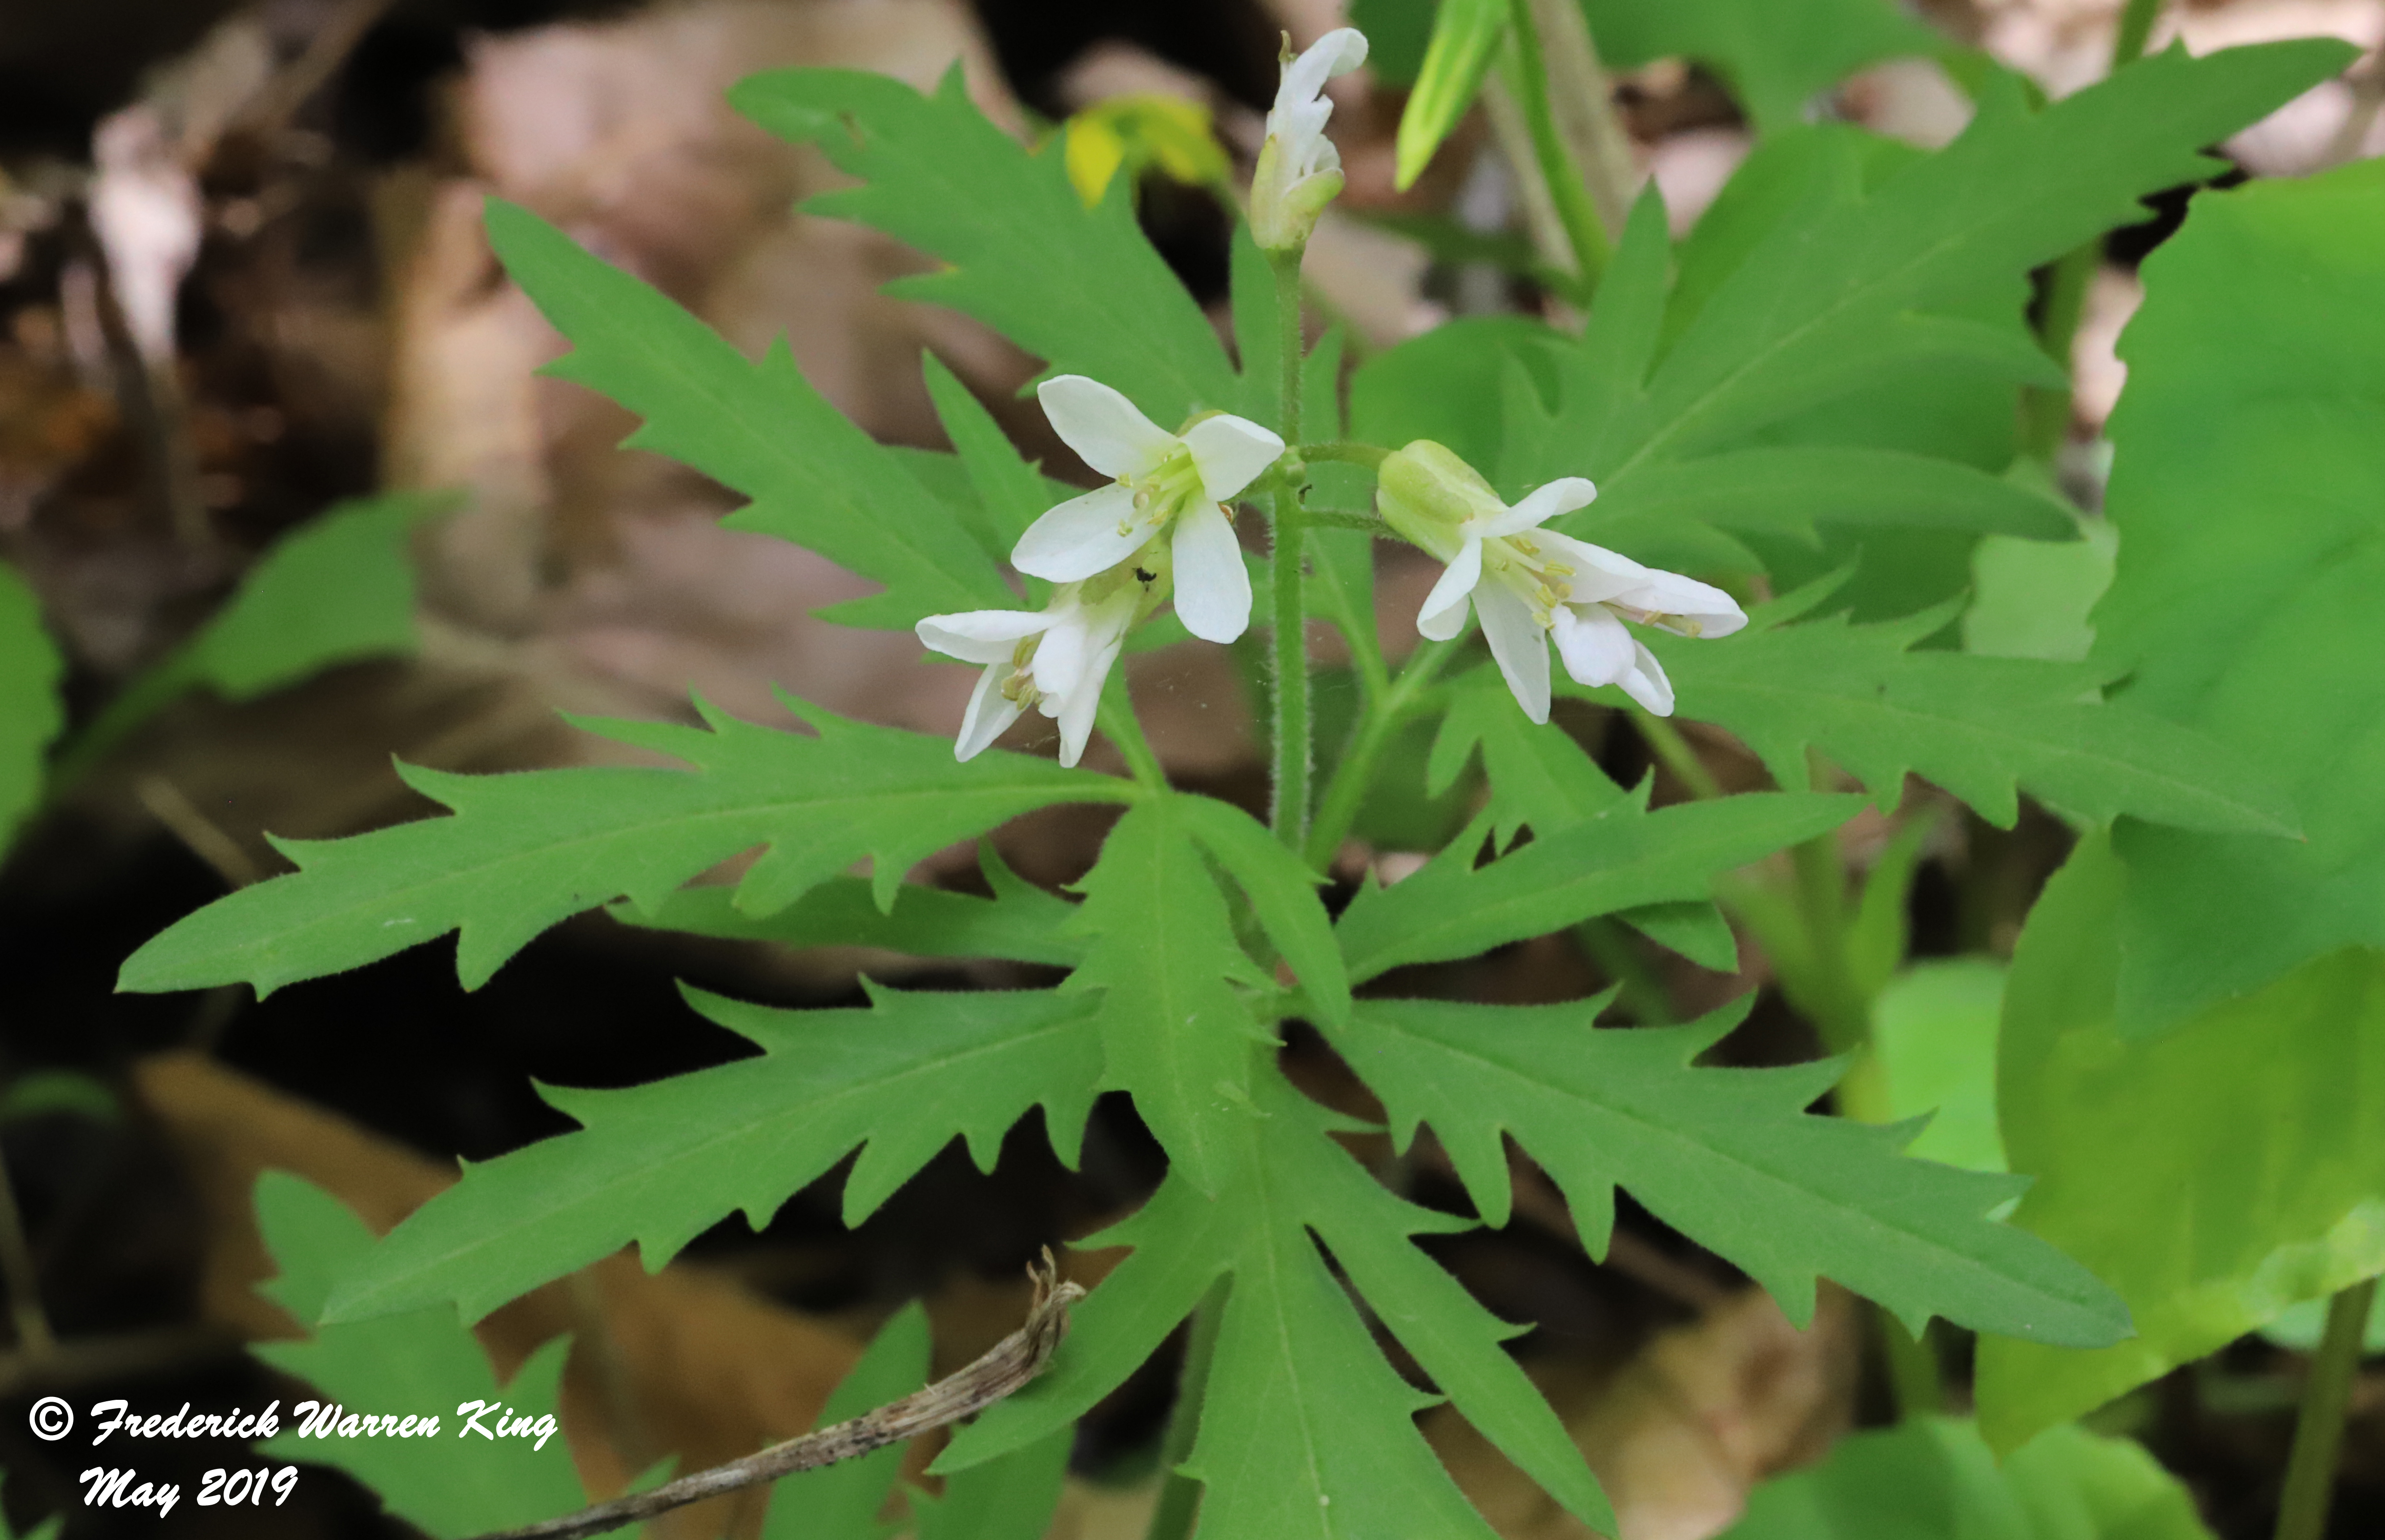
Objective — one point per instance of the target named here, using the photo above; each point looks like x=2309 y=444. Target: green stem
x=1345 y=452
x=1673 y=751
x=1179 y=1498
x=1566 y=189
x=1842 y=1017
x=136 y=703
x=2318 y=1432
x=2046 y=412
x=1294 y=727
x=1915 y=1376
x=1346 y=792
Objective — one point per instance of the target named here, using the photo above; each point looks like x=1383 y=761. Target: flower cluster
x=1115 y=552
x=1161 y=528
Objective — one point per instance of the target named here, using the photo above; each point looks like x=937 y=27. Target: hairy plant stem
x=1382 y=716
x=1567 y=188
x=2045 y=414
x=1289 y=815
x=1347 y=453
x=2318 y=1432
x=1180 y=1496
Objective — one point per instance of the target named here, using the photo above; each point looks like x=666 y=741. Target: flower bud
x=1299 y=170
x=1425 y=493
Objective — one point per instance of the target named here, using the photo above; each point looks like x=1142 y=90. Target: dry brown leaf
x=1680 y=1433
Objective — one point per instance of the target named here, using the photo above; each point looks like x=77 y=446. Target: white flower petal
x=989 y=716
x=1213 y=587
x=1685 y=603
x=1337 y=53
x=1518 y=643
x=1080 y=537
x=1595 y=647
x=1559 y=496
x=981 y=635
x=1598 y=573
x=1230 y=452
x=1060 y=658
x=1102 y=427
x=1444 y=615
x=1077 y=713
x=1647 y=684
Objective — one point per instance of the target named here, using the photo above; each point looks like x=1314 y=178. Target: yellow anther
x=1557 y=569
x=1548 y=599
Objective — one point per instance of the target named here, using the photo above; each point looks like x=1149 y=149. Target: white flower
x=1532 y=585
x=1161 y=479
x=1299 y=170
x=1055 y=659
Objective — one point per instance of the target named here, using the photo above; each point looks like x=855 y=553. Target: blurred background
x=242 y=281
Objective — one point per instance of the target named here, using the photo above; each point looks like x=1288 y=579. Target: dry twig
x=1010 y=1364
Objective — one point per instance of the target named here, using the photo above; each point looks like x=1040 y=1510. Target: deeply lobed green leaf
x=659 y=1164
x=1306 y=1429
x=1730 y=1156
x=759 y=429
x=423 y=1362
x=1078 y=288
x=1983 y=728
x=523 y=851
x=1620 y=859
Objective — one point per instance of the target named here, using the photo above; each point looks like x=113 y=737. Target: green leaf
x=1078 y=288
x=842 y=1501
x=1283 y=894
x=1933 y=1477
x=1729 y=1157
x=420 y=1364
x=2256 y=383
x=761 y=429
x=526 y=850
x=1020 y=922
x=1010 y=1499
x=2029 y=599
x=1620 y=859
x=1982 y=728
x=339 y=587
x=1176 y=1033
x=1851 y=288
x=1011 y=493
x=30 y=715
x=1305 y=1431
x=1540 y=777
x=1775 y=55
x=659 y=1164
x=1466 y=38
x=2215 y=1176
x=1790 y=489
x=1933 y=1051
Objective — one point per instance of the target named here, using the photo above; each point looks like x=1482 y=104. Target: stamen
x=1696 y=629
x=1524 y=544
x=1548 y=599
x=1556 y=569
